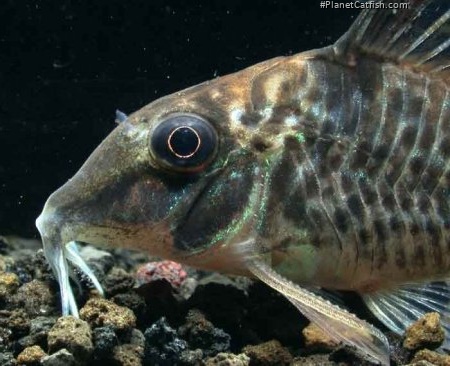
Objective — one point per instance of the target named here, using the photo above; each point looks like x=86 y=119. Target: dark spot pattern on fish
x=355 y=205
x=318 y=217
x=442 y=207
x=311 y=183
x=368 y=191
x=341 y=218
x=406 y=202
x=416 y=165
x=431 y=174
x=291 y=199
x=260 y=144
x=284 y=174
x=381 y=230
x=400 y=257
x=419 y=255
x=362 y=154
x=364 y=236
x=423 y=204
x=251 y=118
x=389 y=202
x=433 y=231
x=396 y=224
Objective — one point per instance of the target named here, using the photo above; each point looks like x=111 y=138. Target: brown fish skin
x=367 y=182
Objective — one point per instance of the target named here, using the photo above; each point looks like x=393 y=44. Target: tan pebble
x=432 y=357
x=31 y=355
x=73 y=334
x=421 y=363
x=316 y=337
x=9 y=283
x=17 y=320
x=100 y=312
x=314 y=360
x=5 y=262
x=128 y=355
x=268 y=353
x=228 y=359
x=35 y=297
x=425 y=332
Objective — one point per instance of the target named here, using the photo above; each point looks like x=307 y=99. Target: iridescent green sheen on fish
x=326 y=169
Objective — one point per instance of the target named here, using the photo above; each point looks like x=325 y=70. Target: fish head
x=176 y=179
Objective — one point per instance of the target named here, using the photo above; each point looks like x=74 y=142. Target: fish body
x=329 y=168
x=361 y=193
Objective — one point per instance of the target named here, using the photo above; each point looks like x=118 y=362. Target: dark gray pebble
x=201 y=333
x=191 y=357
x=162 y=345
x=5 y=335
x=105 y=340
x=7 y=359
x=61 y=358
x=137 y=338
x=134 y=302
x=117 y=281
x=41 y=324
x=39 y=328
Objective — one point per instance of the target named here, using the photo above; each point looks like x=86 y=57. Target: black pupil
x=184 y=141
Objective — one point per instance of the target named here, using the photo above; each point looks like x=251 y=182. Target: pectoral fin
x=338 y=323
x=400 y=308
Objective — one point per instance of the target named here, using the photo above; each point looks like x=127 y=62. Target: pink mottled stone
x=171 y=271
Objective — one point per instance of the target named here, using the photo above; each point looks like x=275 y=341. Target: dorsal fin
x=417 y=37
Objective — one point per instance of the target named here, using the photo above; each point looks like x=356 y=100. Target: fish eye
x=184 y=142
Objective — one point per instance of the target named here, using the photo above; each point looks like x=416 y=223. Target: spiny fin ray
x=416 y=37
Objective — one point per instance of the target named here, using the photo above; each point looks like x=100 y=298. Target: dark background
x=66 y=66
